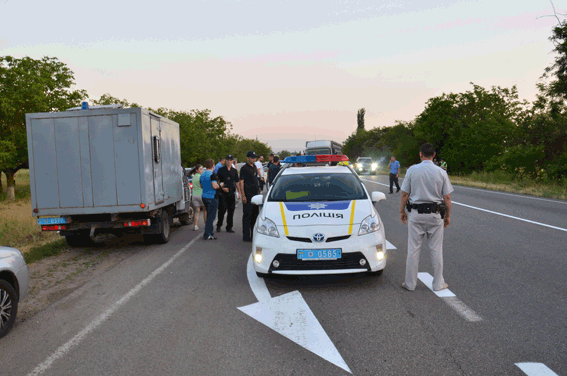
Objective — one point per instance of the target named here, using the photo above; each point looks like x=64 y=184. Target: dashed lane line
x=73 y=342
x=535 y=369
x=451 y=299
x=490 y=211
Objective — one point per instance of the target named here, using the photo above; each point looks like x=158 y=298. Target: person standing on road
x=394 y=174
x=425 y=186
x=197 y=197
x=274 y=169
x=209 y=182
x=270 y=164
x=443 y=164
x=248 y=188
x=219 y=165
x=228 y=178
x=260 y=169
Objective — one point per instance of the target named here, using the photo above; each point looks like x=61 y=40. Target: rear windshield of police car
x=317 y=187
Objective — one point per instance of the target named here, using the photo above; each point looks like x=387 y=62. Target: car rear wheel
x=8 y=307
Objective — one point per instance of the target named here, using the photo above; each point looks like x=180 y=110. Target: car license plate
x=318 y=254
x=51 y=221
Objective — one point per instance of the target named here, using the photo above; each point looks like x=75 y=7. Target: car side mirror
x=378 y=196
x=259 y=200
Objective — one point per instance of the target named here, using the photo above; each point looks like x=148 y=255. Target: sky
x=286 y=72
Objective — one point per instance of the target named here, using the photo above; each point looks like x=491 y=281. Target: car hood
x=316 y=213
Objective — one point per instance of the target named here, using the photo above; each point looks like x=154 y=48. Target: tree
x=284 y=154
x=468 y=129
x=107 y=99
x=28 y=85
x=360 y=119
x=558 y=71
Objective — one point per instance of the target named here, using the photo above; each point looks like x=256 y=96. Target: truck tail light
x=145 y=222
x=53 y=228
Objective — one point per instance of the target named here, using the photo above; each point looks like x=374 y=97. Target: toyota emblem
x=318 y=238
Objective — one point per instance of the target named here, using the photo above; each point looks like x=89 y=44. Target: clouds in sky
x=286 y=71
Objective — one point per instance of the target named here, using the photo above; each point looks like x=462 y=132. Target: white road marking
x=450 y=298
x=390 y=246
x=257 y=284
x=290 y=316
x=535 y=369
x=427 y=280
x=64 y=349
x=511 y=194
x=492 y=212
x=511 y=216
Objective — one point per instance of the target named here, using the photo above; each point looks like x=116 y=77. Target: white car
x=14 y=282
x=318 y=220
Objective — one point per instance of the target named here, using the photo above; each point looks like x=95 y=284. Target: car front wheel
x=8 y=307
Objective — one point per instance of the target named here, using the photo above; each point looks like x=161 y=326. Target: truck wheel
x=8 y=307
x=165 y=230
x=81 y=240
x=187 y=218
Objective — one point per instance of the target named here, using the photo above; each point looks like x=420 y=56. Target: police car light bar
x=316 y=158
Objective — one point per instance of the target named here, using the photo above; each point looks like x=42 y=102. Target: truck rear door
x=157 y=159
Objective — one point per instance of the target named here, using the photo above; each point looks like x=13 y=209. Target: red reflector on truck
x=54 y=228
x=137 y=223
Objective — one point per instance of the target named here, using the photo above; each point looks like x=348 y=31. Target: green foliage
x=468 y=129
x=558 y=71
x=45 y=250
x=360 y=119
x=284 y=154
x=26 y=86
x=107 y=99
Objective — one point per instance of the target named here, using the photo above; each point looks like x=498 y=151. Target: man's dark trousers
x=249 y=215
x=211 y=205
x=393 y=179
x=227 y=203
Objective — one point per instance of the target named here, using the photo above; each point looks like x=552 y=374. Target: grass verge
x=48 y=249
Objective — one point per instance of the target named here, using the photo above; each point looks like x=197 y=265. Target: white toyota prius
x=318 y=220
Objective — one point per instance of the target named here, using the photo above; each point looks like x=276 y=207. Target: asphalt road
x=173 y=309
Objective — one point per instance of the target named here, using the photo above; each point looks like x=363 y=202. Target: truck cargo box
x=103 y=161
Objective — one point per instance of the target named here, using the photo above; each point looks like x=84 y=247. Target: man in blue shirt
x=219 y=165
x=394 y=173
x=209 y=182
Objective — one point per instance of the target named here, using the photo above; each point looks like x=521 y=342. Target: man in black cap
x=248 y=187
x=228 y=178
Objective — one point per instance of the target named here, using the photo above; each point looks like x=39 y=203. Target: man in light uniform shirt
x=424 y=185
x=260 y=169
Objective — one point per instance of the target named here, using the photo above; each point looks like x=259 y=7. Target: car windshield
x=364 y=160
x=317 y=187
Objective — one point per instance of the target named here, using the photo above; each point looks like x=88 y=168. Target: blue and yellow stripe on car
x=351 y=217
x=283 y=219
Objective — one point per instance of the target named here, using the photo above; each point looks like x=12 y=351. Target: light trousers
x=425 y=228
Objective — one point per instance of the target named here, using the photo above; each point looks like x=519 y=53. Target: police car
x=318 y=220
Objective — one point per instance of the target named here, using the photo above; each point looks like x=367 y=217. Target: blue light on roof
x=301 y=159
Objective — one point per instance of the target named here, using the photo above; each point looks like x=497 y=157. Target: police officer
x=426 y=186
x=248 y=187
x=228 y=178
x=394 y=174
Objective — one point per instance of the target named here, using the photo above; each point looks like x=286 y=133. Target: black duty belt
x=426 y=208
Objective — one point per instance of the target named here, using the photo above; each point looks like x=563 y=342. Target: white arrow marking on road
x=535 y=369
x=290 y=316
x=390 y=246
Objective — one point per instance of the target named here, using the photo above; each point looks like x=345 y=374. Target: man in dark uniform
x=228 y=179
x=248 y=187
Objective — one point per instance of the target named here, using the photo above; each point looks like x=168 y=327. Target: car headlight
x=268 y=227
x=369 y=224
x=374 y=166
x=359 y=165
